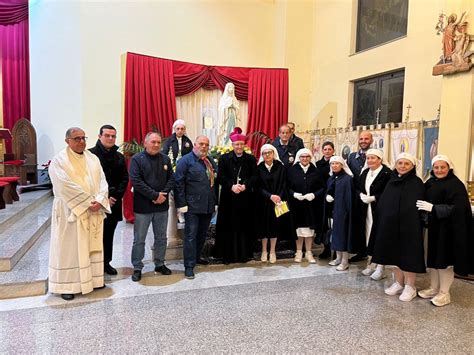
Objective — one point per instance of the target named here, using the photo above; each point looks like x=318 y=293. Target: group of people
x=358 y=206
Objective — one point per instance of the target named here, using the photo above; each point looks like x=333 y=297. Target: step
x=21 y=235
x=30 y=275
x=28 y=202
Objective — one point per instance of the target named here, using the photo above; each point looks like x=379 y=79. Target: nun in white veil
x=229 y=115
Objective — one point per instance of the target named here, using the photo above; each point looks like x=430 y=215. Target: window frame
x=379 y=78
x=357 y=34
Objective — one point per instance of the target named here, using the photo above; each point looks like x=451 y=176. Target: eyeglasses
x=270 y=152
x=305 y=156
x=78 y=139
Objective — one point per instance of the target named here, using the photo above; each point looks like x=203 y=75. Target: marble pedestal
x=174 y=249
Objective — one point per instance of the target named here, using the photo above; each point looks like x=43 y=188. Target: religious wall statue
x=456 y=41
x=229 y=114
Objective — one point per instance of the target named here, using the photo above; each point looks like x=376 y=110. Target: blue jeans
x=195 y=234
x=159 y=221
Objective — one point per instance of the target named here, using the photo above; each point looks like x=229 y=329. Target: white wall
x=55 y=73
x=76 y=49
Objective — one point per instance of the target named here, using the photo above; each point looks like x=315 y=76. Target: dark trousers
x=195 y=233
x=110 y=223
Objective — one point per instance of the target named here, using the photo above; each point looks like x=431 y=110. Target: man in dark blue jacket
x=152 y=178
x=195 y=196
x=286 y=149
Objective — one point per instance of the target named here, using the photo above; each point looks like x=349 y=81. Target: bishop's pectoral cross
x=377 y=115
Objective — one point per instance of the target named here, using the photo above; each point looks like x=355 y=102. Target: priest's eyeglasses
x=78 y=139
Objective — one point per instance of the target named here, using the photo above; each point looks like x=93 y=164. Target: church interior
x=334 y=68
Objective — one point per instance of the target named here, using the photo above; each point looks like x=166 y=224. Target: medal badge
x=165 y=167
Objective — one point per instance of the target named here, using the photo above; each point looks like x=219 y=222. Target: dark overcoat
x=304 y=212
x=358 y=243
x=397 y=236
x=340 y=187
x=115 y=171
x=171 y=143
x=235 y=228
x=269 y=183
x=449 y=224
x=323 y=169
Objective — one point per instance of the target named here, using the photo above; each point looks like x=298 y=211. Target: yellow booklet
x=281 y=208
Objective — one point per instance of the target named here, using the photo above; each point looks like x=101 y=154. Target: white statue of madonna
x=229 y=115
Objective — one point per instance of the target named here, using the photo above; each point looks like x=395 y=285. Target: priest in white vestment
x=79 y=207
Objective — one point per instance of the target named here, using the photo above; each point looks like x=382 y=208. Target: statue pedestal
x=174 y=248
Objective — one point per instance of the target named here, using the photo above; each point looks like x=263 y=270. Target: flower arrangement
x=131 y=147
x=216 y=151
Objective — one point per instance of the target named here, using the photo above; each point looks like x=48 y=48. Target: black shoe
x=201 y=261
x=326 y=254
x=137 y=275
x=109 y=270
x=189 y=273
x=163 y=270
x=67 y=296
x=358 y=257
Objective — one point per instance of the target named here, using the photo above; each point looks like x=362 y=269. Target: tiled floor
x=238 y=308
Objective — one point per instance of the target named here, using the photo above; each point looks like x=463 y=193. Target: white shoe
x=298 y=256
x=367 y=271
x=393 y=290
x=428 y=293
x=335 y=262
x=408 y=294
x=264 y=257
x=273 y=258
x=377 y=275
x=441 y=299
x=342 y=267
x=309 y=256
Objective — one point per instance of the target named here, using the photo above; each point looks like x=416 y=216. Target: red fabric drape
x=149 y=96
x=189 y=77
x=268 y=101
x=15 y=73
x=13 y=11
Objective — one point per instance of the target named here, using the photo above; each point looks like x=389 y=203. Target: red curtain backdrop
x=268 y=101
x=152 y=84
x=15 y=62
x=149 y=96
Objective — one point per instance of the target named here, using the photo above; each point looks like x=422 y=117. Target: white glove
x=215 y=208
x=424 y=206
x=309 y=197
x=366 y=199
x=329 y=198
x=298 y=196
x=183 y=209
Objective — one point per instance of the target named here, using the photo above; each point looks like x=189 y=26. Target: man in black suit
x=196 y=196
x=294 y=139
x=115 y=170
